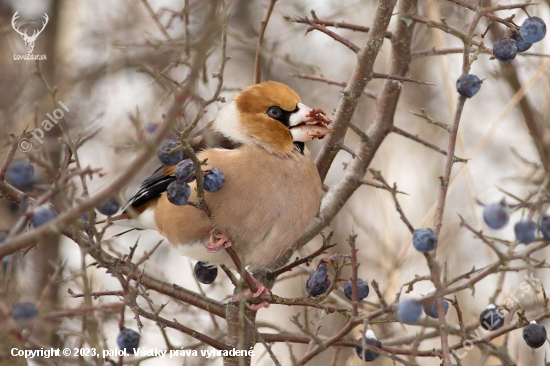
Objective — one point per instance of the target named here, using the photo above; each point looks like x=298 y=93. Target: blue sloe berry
x=495 y=216
x=127 y=340
x=468 y=85
x=150 y=127
x=526 y=231
x=491 y=318
x=42 y=214
x=366 y=354
x=109 y=207
x=505 y=49
x=184 y=171
x=21 y=173
x=522 y=44
x=213 y=180
x=545 y=226
x=430 y=308
x=534 y=334
x=362 y=289
x=166 y=158
x=409 y=311
x=24 y=310
x=178 y=193
x=533 y=29
x=318 y=282
x=205 y=274
x=424 y=240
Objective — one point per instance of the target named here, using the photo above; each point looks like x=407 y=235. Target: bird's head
x=271 y=115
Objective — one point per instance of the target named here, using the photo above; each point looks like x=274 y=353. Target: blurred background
x=103 y=59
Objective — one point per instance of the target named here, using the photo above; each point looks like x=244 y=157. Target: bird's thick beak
x=306 y=123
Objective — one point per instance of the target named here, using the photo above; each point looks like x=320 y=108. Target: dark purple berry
x=184 y=171
x=150 y=127
x=109 y=207
x=178 y=193
x=127 y=340
x=20 y=173
x=533 y=29
x=366 y=354
x=526 y=231
x=424 y=240
x=491 y=318
x=505 y=49
x=521 y=43
x=468 y=85
x=213 y=180
x=534 y=334
x=205 y=274
x=318 y=282
x=24 y=311
x=362 y=289
x=430 y=308
x=166 y=158
x=545 y=226
x=495 y=216
x=42 y=214
x=409 y=311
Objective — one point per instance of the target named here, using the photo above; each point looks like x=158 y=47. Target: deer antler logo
x=29 y=41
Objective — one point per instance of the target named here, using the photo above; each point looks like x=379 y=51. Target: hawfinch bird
x=272 y=187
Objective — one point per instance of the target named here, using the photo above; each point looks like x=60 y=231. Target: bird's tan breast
x=267 y=200
x=265 y=205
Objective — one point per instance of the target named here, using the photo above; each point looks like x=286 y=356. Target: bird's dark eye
x=274 y=112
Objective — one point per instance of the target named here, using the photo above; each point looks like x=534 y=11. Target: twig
x=377 y=75
x=258 y=60
x=367 y=92
x=408 y=135
x=326 y=245
x=343 y=25
x=378 y=176
x=240 y=268
x=429 y=119
x=329 y=33
x=353 y=251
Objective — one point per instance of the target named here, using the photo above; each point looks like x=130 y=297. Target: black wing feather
x=151 y=188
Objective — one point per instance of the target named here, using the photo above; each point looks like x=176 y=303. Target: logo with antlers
x=29 y=40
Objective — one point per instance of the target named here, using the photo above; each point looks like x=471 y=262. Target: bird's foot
x=261 y=290
x=214 y=246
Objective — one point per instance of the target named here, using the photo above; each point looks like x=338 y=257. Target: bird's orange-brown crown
x=252 y=105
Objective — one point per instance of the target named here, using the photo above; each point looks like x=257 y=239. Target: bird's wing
x=158 y=182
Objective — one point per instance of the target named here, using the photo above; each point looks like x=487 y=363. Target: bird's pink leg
x=214 y=246
x=261 y=290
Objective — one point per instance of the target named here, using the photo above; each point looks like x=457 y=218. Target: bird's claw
x=261 y=290
x=214 y=246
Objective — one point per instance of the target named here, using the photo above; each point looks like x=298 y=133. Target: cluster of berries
x=409 y=311
x=505 y=50
x=319 y=282
x=178 y=192
x=496 y=217
x=21 y=174
x=531 y=31
x=534 y=334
